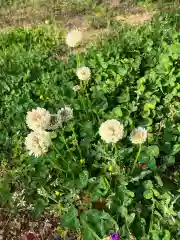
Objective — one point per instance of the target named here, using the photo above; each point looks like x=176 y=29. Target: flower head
x=139 y=135
x=74 y=38
x=37 y=143
x=76 y=88
x=114 y=236
x=56 y=122
x=83 y=73
x=65 y=114
x=38 y=118
x=111 y=131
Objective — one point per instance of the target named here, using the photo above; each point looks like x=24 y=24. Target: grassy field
x=68 y=170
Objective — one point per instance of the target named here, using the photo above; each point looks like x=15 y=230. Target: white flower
x=111 y=131
x=83 y=73
x=76 y=88
x=56 y=122
x=38 y=118
x=74 y=38
x=37 y=143
x=138 y=135
x=65 y=114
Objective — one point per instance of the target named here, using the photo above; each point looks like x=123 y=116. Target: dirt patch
x=135 y=19
x=27 y=16
x=17 y=228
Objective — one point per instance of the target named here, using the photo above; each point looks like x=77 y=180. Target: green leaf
x=83 y=179
x=140 y=176
x=70 y=220
x=148 y=106
x=116 y=112
x=123 y=211
x=124 y=97
x=176 y=149
x=155 y=235
x=156 y=193
x=153 y=151
x=167 y=235
x=88 y=231
x=97 y=223
x=169 y=159
x=101 y=189
x=130 y=218
x=148 y=194
x=158 y=180
x=53 y=135
x=148 y=185
x=152 y=163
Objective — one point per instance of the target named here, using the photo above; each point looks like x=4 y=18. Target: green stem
x=82 y=102
x=115 y=147
x=96 y=114
x=136 y=159
x=90 y=107
x=53 y=163
x=78 y=60
x=75 y=137
x=152 y=216
x=62 y=158
x=55 y=148
x=65 y=142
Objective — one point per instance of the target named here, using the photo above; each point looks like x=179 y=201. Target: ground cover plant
x=94 y=137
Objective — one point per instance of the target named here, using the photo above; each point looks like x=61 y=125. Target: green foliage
x=135 y=79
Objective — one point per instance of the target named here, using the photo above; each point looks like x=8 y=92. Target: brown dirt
x=135 y=19
x=17 y=228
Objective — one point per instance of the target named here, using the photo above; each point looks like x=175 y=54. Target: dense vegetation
x=135 y=79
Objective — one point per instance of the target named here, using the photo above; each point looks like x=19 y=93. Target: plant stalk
x=136 y=159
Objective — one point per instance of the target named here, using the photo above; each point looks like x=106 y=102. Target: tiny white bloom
x=38 y=118
x=56 y=122
x=65 y=114
x=76 y=88
x=74 y=38
x=37 y=143
x=83 y=73
x=139 y=135
x=46 y=22
x=111 y=131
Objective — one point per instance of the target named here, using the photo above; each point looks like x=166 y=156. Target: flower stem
x=152 y=216
x=78 y=60
x=115 y=147
x=82 y=102
x=65 y=142
x=57 y=151
x=75 y=137
x=136 y=159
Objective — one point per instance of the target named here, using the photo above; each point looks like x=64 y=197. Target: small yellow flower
x=47 y=22
x=82 y=161
x=57 y=193
x=110 y=169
